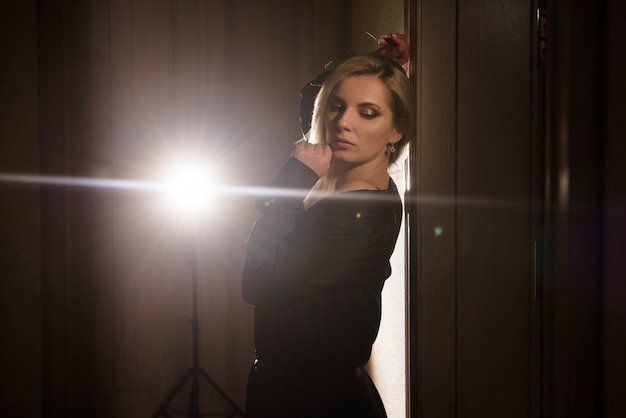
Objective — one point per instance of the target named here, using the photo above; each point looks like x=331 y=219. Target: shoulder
x=366 y=198
x=356 y=185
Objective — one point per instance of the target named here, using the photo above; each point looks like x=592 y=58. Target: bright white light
x=188 y=188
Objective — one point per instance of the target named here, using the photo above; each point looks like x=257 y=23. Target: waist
x=286 y=368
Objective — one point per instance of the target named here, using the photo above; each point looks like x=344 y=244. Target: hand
x=394 y=46
x=315 y=156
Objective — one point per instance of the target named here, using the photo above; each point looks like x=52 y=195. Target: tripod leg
x=163 y=408
x=220 y=391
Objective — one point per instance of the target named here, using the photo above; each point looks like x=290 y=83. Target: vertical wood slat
x=436 y=172
x=494 y=248
x=614 y=234
x=576 y=77
x=20 y=215
x=53 y=221
x=474 y=193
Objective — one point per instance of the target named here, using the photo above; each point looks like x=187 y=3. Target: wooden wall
x=20 y=215
x=127 y=86
x=516 y=282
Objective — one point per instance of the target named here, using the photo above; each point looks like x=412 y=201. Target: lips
x=340 y=143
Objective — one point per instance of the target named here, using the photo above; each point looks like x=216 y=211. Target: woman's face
x=359 y=120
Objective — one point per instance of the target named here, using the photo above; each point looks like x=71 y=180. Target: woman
x=318 y=257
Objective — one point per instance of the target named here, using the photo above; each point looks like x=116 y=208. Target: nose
x=345 y=120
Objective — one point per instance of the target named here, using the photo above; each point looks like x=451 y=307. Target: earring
x=392 y=147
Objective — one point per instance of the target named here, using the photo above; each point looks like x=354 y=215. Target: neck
x=373 y=172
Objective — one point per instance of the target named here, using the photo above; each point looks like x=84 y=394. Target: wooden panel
x=143 y=82
x=169 y=96
x=576 y=90
x=474 y=198
x=493 y=208
x=614 y=291
x=53 y=221
x=20 y=215
x=437 y=223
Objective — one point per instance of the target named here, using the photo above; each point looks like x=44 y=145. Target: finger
x=398 y=36
x=309 y=148
x=386 y=40
x=299 y=149
x=392 y=39
x=401 y=42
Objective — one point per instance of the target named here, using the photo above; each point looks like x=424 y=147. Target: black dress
x=315 y=277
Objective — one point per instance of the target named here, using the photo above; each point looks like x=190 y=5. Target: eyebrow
x=362 y=104
x=369 y=104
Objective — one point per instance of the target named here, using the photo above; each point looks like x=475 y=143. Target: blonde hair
x=392 y=75
x=402 y=105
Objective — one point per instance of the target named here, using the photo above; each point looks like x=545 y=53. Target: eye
x=335 y=106
x=369 y=113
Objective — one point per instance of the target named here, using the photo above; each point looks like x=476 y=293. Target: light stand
x=195 y=372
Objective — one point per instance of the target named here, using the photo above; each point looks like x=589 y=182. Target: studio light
x=188 y=188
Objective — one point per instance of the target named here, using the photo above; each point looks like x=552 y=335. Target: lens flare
x=188 y=188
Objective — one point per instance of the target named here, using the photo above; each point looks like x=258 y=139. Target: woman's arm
x=279 y=210
x=319 y=293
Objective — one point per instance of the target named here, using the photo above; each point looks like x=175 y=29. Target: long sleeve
x=267 y=238
x=316 y=275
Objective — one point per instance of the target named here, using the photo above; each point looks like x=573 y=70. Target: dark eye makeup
x=366 y=110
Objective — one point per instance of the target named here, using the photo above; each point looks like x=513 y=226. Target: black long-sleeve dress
x=315 y=277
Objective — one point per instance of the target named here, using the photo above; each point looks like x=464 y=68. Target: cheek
x=331 y=119
x=380 y=133
x=329 y=124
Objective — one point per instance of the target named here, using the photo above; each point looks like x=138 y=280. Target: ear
x=397 y=136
